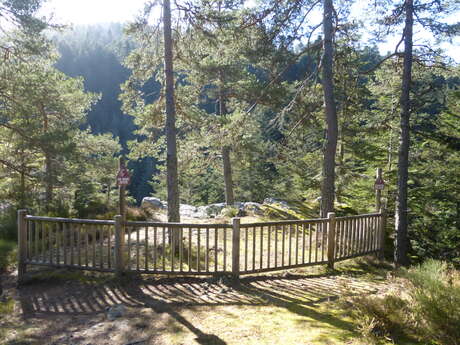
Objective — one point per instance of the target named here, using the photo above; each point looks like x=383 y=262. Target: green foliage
x=425 y=307
x=229 y=212
x=8 y=226
x=7 y=254
x=379 y=318
x=435 y=293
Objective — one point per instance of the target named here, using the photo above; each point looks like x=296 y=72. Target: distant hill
x=95 y=52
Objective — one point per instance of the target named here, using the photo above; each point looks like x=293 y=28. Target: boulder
x=154 y=203
x=116 y=312
x=188 y=211
x=280 y=202
x=252 y=207
x=214 y=209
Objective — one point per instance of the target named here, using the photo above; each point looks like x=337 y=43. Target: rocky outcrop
x=208 y=211
x=154 y=203
x=271 y=201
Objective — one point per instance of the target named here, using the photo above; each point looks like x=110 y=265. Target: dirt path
x=290 y=309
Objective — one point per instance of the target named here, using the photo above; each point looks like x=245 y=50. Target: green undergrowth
x=423 y=307
x=7 y=254
x=301 y=210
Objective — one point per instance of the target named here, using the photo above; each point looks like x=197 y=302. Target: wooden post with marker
x=122 y=191
x=383 y=225
x=123 y=180
x=330 y=239
x=236 y=248
x=119 y=245
x=378 y=186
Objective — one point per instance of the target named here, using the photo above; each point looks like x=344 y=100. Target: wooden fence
x=203 y=249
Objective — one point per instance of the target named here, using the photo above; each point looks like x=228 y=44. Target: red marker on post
x=379 y=185
x=123 y=177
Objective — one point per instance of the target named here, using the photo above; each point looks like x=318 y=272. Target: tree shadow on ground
x=300 y=294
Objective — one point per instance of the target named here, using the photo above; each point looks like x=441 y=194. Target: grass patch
x=6 y=307
x=425 y=307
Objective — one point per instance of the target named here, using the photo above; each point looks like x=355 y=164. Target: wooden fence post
x=22 y=244
x=119 y=241
x=330 y=239
x=378 y=192
x=236 y=247
x=383 y=226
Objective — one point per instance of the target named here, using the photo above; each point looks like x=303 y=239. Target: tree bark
x=341 y=169
x=226 y=162
x=22 y=191
x=401 y=222
x=170 y=128
x=330 y=148
x=48 y=182
x=22 y=197
x=229 y=199
x=48 y=165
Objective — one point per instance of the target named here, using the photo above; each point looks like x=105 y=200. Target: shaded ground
x=295 y=308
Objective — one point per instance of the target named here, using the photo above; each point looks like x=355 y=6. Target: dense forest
x=269 y=103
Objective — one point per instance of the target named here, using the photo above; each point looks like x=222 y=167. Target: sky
x=82 y=12
x=92 y=11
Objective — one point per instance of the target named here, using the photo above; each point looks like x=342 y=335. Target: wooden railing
x=281 y=245
x=73 y=243
x=202 y=249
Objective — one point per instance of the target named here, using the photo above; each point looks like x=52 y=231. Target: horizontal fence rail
x=195 y=249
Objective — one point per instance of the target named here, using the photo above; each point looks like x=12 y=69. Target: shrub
x=7 y=254
x=427 y=307
x=435 y=294
x=8 y=225
x=378 y=317
x=229 y=212
x=132 y=214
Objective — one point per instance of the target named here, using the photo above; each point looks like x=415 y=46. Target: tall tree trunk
x=22 y=197
x=48 y=165
x=226 y=162
x=229 y=199
x=401 y=240
x=341 y=169
x=171 y=150
x=48 y=182
x=22 y=182
x=107 y=202
x=327 y=190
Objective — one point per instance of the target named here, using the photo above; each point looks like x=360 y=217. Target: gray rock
x=154 y=203
x=280 y=202
x=193 y=211
x=116 y=312
x=252 y=207
x=214 y=209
